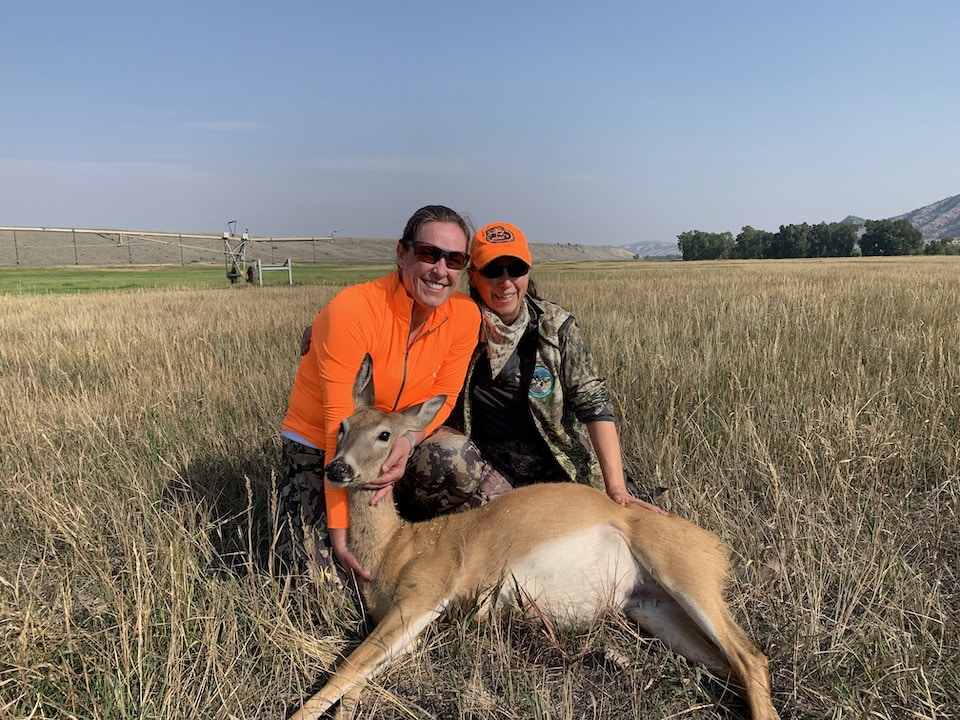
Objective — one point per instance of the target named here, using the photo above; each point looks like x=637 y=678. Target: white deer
x=564 y=549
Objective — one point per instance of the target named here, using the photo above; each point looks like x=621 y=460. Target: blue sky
x=598 y=123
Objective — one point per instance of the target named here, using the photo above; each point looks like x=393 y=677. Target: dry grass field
x=808 y=412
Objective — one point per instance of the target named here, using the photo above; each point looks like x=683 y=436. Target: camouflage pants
x=443 y=473
x=449 y=472
x=525 y=463
x=300 y=538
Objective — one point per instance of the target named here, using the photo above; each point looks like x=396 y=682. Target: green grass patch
x=82 y=279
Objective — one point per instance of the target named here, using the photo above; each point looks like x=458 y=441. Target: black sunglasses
x=494 y=270
x=425 y=252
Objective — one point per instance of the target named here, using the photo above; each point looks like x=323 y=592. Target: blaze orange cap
x=498 y=240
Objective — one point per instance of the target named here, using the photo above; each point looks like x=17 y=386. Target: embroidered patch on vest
x=542 y=382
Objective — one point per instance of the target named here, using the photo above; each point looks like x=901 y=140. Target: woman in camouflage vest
x=534 y=407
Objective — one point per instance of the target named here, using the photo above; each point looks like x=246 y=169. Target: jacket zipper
x=406 y=357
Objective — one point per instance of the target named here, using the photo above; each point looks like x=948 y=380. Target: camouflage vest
x=553 y=357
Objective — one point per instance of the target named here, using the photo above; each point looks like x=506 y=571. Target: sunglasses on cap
x=431 y=254
x=494 y=270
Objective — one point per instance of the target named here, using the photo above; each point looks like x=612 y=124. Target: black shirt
x=500 y=408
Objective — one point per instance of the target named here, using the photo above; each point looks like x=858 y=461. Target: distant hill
x=653 y=249
x=45 y=247
x=934 y=221
x=558 y=252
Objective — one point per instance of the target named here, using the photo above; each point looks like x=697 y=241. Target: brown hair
x=434 y=213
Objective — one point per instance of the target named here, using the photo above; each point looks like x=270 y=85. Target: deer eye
x=384 y=436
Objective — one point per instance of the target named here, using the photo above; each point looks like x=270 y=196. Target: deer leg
x=669 y=622
x=711 y=638
x=748 y=664
x=349 y=704
x=393 y=636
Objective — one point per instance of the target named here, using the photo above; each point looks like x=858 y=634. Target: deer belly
x=574 y=578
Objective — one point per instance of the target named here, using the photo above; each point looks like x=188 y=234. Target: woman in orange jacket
x=420 y=332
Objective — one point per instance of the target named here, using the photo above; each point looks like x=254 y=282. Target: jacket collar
x=402 y=304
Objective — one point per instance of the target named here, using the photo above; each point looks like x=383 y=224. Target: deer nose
x=338 y=472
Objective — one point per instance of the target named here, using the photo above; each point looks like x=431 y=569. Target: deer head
x=366 y=437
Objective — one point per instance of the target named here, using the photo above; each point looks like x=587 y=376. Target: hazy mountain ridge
x=653 y=248
x=934 y=221
x=937 y=220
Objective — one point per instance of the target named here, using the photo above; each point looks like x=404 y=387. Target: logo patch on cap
x=498 y=234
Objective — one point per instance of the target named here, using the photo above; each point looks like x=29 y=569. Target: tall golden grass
x=808 y=412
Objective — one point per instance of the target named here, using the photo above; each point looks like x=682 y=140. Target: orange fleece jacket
x=374 y=317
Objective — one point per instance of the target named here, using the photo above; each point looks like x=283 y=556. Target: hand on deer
x=624 y=498
x=338 y=540
x=391 y=470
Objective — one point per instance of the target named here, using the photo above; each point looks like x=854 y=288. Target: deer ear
x=363 y=384
x=419 y=416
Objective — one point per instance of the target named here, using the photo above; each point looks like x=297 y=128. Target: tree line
x=879 y=237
